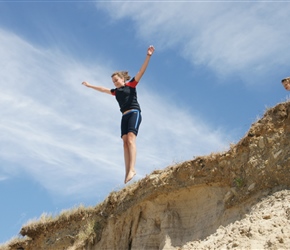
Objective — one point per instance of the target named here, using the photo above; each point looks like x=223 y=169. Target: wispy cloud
x=67 y=137
x=3 y=178
x=241 y=38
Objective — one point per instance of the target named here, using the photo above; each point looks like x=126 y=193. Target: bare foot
x=129 y=176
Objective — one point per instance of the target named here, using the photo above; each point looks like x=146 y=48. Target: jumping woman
x=126 y=95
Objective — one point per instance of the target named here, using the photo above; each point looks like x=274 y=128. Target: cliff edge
x=239 y=198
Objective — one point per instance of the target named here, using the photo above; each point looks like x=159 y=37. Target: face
x=118 y=81
x=286 y=84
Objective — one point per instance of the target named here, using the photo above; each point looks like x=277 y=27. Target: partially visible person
x=286 y=83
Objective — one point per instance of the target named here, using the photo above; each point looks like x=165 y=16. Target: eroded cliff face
x=184 y=203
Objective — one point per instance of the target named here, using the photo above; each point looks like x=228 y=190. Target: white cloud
x=3 y=178
x=67 y=136
x=173 y=134
x=246 y=39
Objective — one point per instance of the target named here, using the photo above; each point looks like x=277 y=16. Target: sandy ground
x=267 y=226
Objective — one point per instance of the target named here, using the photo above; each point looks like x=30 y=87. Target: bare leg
x=129 y=155
x=126 y=154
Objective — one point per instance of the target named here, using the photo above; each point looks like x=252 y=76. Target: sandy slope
x=235 y=199
x=267 y=226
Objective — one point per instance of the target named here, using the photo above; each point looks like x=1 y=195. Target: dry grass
x=15 y=241
x=35 y=222
x=87 y=235
x=65 y=215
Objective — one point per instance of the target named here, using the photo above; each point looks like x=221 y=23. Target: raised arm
x=98 y=88
x=145 y=64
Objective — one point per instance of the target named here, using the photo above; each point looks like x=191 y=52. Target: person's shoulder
x=132 y=83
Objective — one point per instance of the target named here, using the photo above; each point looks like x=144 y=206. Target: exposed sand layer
x=234 y=199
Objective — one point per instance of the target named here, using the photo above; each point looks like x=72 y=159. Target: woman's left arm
x=145 y=64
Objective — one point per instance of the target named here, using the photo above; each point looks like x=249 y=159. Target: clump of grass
x=43 y=219
x=13 y=243
x=67 y=214
x=239 y=182
x=88 y=234
x=64 y=215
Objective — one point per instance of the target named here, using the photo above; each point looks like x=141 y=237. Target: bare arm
x=145 y=64
x=98 y=88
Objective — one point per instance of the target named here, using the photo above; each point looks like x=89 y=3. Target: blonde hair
x=123 y=74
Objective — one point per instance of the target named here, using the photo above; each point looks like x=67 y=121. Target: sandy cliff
x=234 y=199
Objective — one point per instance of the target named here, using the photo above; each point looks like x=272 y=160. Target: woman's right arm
x=98 y=88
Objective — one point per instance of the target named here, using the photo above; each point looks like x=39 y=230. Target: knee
x=125 y=144
x=129 y=140
x=128 y=143
x=131 y=137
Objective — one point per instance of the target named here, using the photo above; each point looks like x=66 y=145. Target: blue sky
x=217 y=66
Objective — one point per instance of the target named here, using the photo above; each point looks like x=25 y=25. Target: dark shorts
x=131 y=122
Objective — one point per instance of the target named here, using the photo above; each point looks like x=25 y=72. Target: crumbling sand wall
x=184 y=203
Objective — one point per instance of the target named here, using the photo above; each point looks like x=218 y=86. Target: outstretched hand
x=150 y=50
x=86 y=84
